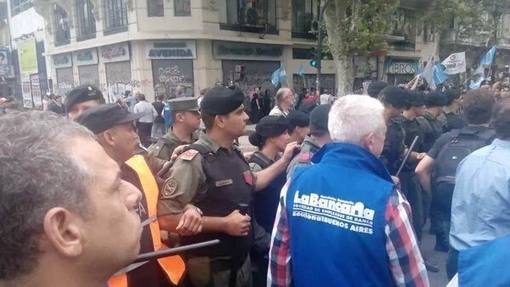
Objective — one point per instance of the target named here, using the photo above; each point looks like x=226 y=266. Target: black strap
x=261 y=160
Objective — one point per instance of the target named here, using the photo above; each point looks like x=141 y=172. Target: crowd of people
x=336 y=194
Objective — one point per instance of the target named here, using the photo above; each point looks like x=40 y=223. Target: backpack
x=463 y=142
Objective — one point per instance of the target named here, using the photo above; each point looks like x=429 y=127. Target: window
x=403 y=28
x=115 y=16
x=85 y=20
x=61 y=26
x=304 y=12
x=182 y=7
x=155 y=8
x=249 y=16
x=18 y=6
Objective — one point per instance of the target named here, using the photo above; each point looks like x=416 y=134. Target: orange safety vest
x=172 y=266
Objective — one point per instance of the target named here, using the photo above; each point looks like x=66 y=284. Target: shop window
x=85 y=19
x=115 y=16
x=61 y=26
x=182 y=7
x=155 y=8
x=304 y=12
x=258 y=16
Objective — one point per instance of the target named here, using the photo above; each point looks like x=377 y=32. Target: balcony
x=255 y=17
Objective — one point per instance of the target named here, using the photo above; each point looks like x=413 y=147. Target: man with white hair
x=349 y=224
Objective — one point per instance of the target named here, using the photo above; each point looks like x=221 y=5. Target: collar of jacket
x=353 y=156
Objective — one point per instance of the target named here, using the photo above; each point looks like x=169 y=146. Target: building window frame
x=247 y=19
x=155 y=8
x=85 y=20
x=61 y=26
x=115 y=16
x=182 y=8
x=302 y=24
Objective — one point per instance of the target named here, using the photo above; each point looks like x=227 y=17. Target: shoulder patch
x=168 y=188
x=189 y=154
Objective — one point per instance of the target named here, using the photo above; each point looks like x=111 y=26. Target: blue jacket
x=336 y=210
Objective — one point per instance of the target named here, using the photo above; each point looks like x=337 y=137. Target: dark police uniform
x=165 y=146
x=394 y=144
x=432 y=129
x=218 y=181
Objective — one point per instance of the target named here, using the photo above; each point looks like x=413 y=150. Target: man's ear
x=62 y=230
x=220 y=121
x=108 y=137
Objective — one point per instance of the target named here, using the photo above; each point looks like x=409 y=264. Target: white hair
x=352 y=117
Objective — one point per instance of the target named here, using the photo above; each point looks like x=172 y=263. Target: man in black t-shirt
x=431 y=169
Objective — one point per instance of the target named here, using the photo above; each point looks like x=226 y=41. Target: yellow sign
x=27 y=54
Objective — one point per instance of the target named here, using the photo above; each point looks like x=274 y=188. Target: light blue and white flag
x=428 y=73
x=439 y=75
x=279 y=76
x=301 y=71
x=488 y=58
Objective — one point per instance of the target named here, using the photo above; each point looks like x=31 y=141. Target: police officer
x=452 y=111
x=319 y=136
x=214 y=176
x=394 y=100
x=429 y=122
x=81 y=99
x=408 y=179
x=299 y=126
x=115 y=131
x=186 y=122
x=271 y=137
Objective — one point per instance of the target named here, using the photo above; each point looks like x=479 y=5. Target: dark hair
x=257 y=140
x=501 y=119
x=37 y=173
x=478 y=105
x=208 y=119
x=141 y=97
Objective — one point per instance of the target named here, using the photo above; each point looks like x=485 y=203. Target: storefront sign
x=6 y=69
x=115 y=53
x=233 y=50
x=85 y=57
x=170 y=50
x=401 y=67
x=62 y=61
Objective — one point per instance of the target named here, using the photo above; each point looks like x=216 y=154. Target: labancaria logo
x=353 y=216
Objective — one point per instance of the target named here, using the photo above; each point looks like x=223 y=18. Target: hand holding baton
x=406 y=156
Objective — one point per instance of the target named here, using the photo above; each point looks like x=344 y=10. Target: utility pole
x=319 y=45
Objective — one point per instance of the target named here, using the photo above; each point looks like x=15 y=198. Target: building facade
x=174 y=47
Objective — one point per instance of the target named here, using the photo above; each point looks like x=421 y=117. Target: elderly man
x=66 y=218
x=284 y=99
x=349 y=198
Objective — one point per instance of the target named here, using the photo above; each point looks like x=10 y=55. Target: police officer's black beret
x=435 y=99
x=298 y=119
x=221 y=101
x=374 y=88
x=103 y=117
x=82 y=94
x=394 y=96
x=319 y=118
x=451 y=95
x=268 y=127
x=416 y=98
x=185 y=104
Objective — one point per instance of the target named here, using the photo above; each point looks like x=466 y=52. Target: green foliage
x=358 y=26
x=480 y=19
